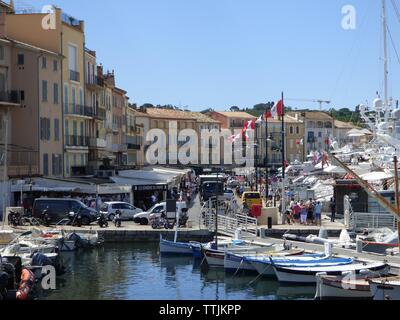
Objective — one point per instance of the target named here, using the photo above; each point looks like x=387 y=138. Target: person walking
x=303 y=213
x=317 y=213
x=333 y=209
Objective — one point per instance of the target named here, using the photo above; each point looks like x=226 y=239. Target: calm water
x=137 y=272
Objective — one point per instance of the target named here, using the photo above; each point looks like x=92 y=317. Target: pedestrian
x=153 y=199
x=296 y=212
x=333 y=209
x=303 y=213
x=317 y=213
x=310 y=212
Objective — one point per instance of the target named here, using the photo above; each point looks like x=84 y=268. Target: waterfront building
x=318 y=129
x=294 y=135
x=341 y=133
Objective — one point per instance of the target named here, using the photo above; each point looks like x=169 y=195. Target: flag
x=267 y=115
x=260 y=119
x=248 y=127
x=234 y=138
x=277 y=109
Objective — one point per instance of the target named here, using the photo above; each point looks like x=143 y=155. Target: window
x=56 y=165
x=46 y=164
x=55 y=93
x=297 y=130
x=291 y=130
x=66 y=98
x=55 y=65
x=44 y=129
x=56 y=130
x=320 y=134
x=72 y=58
x=22 y=92
x=21 y=59
x=44 y=90
x=1 y=53
x=44 y=63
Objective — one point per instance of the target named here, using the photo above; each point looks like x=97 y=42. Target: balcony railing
x=76 y=141
x=95 y=81
x=133 y=143
x=10 y=96
x=74 y=76
x=79 y=110
x=100 y=114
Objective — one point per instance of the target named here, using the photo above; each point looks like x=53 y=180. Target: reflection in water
x=137 y=272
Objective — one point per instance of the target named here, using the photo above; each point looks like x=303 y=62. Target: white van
x=144 y=217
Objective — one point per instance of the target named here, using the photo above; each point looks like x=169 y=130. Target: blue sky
x=220 y=53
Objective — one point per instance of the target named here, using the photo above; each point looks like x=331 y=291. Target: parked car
x=233 y=184
x=229 y=194
x=127 y=210
x=144 y=217
x=59 y=209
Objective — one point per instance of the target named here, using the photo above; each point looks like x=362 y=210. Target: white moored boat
x=385 y=288
x=170 y=247
x=307 y=275
x=346 y=286
x=237 y=261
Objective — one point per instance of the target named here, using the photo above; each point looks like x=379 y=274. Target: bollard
x=269 y=222
x=359 y=245
x=262 y=233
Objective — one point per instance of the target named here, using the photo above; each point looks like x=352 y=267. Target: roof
x=239 y=114
x=168 y=114
x=288 y=119
x=27 y=46
x=203 y=118
x=314 y=115
x=344 y=125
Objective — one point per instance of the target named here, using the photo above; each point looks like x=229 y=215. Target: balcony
x=10 y=96
x=94 y=82
x=76 y=141
x=97 y=143
x=74 y=76
x=100 y=114
x=78 y=110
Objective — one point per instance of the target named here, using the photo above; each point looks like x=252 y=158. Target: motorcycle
x=159 y=222
x=14 y=219
x=75 y=219
x=102 y=221
x=46 y=219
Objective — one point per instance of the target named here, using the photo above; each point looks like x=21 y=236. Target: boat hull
x=214 y=258
x=385 y=290
x=332 y=289
x=307 y=276
x=179 y=248
x=234 y=263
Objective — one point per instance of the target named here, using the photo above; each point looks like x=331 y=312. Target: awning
x=376 y=176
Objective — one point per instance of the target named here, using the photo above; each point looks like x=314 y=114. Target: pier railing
x=372 y=221
x=229 y=224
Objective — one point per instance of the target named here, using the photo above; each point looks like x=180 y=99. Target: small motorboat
x=346 y=286
x=236 y=261
x=307 y=274
x=171 y=247
x=387 y=288
x=215 y=257
x=264 y=264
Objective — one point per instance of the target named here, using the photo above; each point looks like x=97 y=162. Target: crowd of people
x=308 y=212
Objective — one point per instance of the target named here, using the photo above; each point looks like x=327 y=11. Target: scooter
x=102 y=221
x=159 y=222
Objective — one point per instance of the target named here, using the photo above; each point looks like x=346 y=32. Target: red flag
x=279 y=108
x=267 y=115
x=248 y=126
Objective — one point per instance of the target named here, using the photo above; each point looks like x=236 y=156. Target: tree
x=234 y=109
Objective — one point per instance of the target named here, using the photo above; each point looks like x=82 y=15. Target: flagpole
x=283 y=161
x=266 y=161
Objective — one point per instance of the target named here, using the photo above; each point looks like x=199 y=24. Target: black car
x=59 y=209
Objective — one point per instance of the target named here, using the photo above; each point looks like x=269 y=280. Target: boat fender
x=26 y=284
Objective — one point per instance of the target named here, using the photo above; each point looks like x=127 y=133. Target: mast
x=385 y=56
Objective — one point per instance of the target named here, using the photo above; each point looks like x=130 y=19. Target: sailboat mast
x=385 y=54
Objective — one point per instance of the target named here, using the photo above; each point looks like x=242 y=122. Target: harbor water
x=137 y=272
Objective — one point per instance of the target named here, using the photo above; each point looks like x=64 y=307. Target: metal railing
x=74 y=76
x=229 y=224
x=372 y=221
x=80 y=110
x=76 y=141
x=10 y=96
